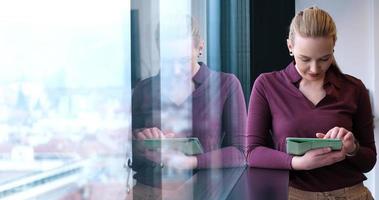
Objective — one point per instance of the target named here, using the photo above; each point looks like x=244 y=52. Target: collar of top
x=332 y=76
x=201 y=75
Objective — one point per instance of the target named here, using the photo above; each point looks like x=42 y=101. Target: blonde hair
x=191 y=29
x=313 y=22
x=195 y=32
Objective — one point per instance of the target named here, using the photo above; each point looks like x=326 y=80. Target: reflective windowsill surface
x=62 y=176
x=47 y=172
x=230 y=183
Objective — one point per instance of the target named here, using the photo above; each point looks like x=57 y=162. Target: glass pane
x=65 y=99
x=188 y=119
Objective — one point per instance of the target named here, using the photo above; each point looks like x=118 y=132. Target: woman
x=312 y=98
x=187 y=99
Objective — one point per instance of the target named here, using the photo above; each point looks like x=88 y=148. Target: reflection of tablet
x=298 y=146
x=189 y=146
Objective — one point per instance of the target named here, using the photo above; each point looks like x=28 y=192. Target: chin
x=312 y=78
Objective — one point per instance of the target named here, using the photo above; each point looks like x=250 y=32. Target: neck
x=195 y=68
x=313 y=84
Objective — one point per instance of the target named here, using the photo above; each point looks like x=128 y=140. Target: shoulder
x=353 y=82
x=227 y=80
x=147 y=82
x=269 y=78
x=146 y=85
x=353 y=87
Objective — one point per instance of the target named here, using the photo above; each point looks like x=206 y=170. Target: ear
x=289 y=45
x=201 y=45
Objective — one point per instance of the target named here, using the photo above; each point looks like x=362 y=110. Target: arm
x=258 y=127
x=146 y=123
x=233 y=128
x=365 y=158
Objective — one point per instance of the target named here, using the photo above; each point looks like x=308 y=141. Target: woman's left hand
x=346 y=136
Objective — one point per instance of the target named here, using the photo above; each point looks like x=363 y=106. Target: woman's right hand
x=154 y=132
x=317 y=158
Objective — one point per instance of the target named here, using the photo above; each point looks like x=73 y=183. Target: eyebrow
x=303 y=56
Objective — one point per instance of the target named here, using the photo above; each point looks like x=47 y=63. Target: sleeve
x=365 y=158
x=144 y=114
x=258 y=132
x=141 y=118
x=137 y=114
x=233 y=126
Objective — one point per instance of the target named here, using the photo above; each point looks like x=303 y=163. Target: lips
x=314 y=75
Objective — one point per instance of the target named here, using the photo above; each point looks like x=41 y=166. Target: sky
x=75 y=44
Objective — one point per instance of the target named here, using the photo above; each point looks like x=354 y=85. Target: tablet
x=299 y=146
x=189 y=146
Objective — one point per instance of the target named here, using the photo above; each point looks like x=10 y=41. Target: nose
x=313 y=68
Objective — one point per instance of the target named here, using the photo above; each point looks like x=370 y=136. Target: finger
x=137 y=134
x=140 y=136
x=320 y=135
x=328 y=159
x=349 y=141
x=337 y=156
x=349 y=136
x=147 y=133
x=156 y=132
x=327 y=135
x=341 y=134
x=169 y=134
x=320 y=151
x=334 y=132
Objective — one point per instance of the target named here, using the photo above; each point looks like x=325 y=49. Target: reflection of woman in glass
x=313 y=98
x=188 y=99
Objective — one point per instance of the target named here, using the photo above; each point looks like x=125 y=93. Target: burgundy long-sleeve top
x=218 y=117
x=278 y=109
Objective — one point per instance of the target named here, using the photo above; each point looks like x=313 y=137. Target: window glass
x=64 y=99
x=188 y=118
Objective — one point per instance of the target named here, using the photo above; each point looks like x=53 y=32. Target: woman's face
x=176 y=57
x=313 y=56
x=179 y=57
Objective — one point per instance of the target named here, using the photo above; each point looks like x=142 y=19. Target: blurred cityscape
x=64 y=99
x=42 y=129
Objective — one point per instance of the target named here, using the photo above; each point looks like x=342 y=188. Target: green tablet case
x=298 y=146
x=189 y=146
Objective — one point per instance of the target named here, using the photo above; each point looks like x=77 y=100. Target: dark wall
x=269 y=25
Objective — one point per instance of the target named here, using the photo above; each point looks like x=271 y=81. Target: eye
x=325 y=59
x=305 y=59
